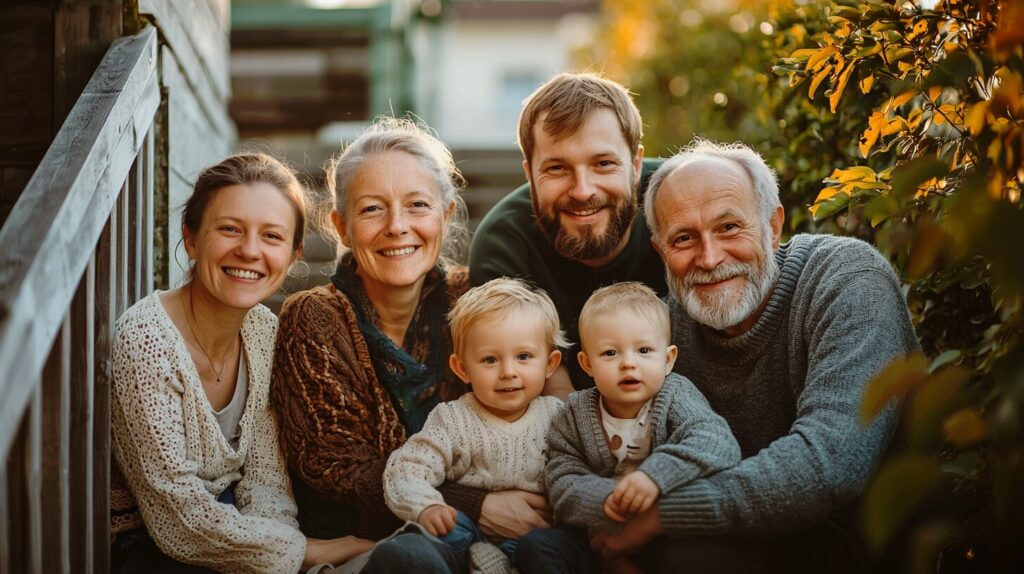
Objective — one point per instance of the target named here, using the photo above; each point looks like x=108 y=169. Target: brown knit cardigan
x=337 y=423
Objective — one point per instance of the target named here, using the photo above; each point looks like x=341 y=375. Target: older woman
x=360 y=362
x=192 y=431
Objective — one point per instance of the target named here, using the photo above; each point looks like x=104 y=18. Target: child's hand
x=635 y=493
x=438 y=519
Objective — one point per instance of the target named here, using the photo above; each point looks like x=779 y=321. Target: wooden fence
x=76 y=252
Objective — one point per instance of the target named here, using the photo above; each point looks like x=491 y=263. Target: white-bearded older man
x=781 y=339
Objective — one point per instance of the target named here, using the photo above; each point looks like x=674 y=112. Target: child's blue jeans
x=466 y=532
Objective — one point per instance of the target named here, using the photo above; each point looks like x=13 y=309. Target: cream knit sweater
x=176 y=460
x=464 y=443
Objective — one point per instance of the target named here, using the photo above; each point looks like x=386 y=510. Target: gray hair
x=413 y=137
x=766 y=185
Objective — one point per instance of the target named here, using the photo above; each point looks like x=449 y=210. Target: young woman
x=193 y=434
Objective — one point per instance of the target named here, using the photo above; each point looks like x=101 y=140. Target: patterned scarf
x=411 y=374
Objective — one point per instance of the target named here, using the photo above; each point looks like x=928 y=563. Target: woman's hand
x=513 y=513
x=334 y=551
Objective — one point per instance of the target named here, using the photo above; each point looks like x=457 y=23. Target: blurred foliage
x=901 y=123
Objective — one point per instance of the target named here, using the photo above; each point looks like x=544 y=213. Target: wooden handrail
x=50 y=236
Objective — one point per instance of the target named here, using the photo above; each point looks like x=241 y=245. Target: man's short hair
x=766 y=186
x=568 y=100
x=500 y=298
x=626 y=296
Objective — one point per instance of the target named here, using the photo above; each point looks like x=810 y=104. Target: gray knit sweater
x=688 y=441
x=790 y=388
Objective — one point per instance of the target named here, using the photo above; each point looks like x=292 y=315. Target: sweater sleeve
x=576 y=492
x=698 y=442
x=416 y=468
x=857 y=323
x=337 y=424
x=182 y=516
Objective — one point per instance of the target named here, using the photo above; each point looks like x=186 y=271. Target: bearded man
x=575 y=226
x=781 y=339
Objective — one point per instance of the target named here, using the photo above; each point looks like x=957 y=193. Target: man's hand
x=638 y=531
x=635 y=493
x=438 y=519
x=513 y=513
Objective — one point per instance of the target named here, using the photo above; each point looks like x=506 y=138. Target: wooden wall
x=48 y=51
x=194 y=73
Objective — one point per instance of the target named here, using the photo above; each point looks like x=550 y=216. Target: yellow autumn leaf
x=816 y=81
x=920 y=27
x=914 y=118
x=859 y=172
x=934 y=92
x=965 y=427
x=894 y=125
x=975 y=119
x=839 y=87
x=899 y=100
x=866 y=83
x=819 y=59
x=870 y=136
x=803 y=53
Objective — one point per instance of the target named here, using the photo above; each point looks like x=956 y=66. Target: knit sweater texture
x=176 y=460
x=790 y=389
x=338 y=423
x=688 y=441
x=509 y=243
x=464 y=443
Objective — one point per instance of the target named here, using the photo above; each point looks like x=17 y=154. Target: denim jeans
x=555 y=551
x=466 y=532
x=135 y=551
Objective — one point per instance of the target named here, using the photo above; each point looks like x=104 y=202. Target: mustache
x=569 y=204
x=720 y=273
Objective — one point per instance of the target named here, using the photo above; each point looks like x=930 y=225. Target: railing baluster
x=82 y=377
x=6 y=522
x=55 y=411
x=149 y=221
x=33 y=484
x=106 y=314
x=135 y=209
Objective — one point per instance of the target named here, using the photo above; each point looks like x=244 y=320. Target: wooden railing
x=75 y=252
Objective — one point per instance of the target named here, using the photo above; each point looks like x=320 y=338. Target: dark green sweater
x=509 y=243
x=790 y=389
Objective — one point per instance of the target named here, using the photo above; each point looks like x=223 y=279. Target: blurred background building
x=307 y=75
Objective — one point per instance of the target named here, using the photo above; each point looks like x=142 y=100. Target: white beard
x=724 y=307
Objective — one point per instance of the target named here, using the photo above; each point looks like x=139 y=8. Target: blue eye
x=524 y=356
x=489 y=360
x=608 y=353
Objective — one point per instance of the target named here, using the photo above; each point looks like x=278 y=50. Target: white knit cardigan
x=176 y=460
x=463 y=442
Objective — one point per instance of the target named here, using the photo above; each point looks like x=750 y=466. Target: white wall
x=484 y=70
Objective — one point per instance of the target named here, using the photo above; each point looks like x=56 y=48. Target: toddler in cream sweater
x=506 y=337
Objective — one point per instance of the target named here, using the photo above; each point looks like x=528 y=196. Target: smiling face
x=506 y=359
x=717 y=249
x=393 y=222
x=583 y=188
x=243 y=246
x=628 y=357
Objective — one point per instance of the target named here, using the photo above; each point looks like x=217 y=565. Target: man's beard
x=716 y=308
x=585 y=244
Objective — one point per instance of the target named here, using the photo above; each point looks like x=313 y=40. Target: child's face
x=628 y=358
x=506 y=359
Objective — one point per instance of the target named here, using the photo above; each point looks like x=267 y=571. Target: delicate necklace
x=192 y=308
